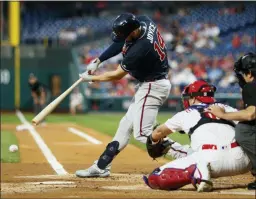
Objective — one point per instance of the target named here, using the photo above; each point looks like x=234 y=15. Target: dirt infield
x=35 y=178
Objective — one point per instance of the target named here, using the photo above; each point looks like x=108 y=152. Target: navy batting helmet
x=123 y=25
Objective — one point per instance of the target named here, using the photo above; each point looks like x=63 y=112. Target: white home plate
x=21 y=127
x=131 y=187
x=51 y=183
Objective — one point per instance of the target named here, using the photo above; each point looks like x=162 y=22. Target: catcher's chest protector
x=207 y=118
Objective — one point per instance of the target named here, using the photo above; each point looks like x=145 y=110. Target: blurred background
x=56 y=40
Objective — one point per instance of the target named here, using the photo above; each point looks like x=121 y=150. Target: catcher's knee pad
x=171 y=178
x=108 y=155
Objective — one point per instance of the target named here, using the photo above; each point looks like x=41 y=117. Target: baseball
x=13 y=148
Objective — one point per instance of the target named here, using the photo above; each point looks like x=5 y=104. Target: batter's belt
x=154 y=79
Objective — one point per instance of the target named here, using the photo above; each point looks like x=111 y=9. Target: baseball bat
x=48 y=109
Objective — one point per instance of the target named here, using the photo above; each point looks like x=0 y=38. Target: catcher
x=215 y=150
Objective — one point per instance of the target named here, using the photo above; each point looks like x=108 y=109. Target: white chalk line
x=84 y=135
x=57 y=167
x=51 y=183
x=74 y=176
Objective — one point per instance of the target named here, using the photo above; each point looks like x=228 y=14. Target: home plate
x=131 y=187
x=21 y=127
x=51 y=183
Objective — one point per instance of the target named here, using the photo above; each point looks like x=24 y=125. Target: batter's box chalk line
x=51 y=183
x=69 y=176
x=56 y=166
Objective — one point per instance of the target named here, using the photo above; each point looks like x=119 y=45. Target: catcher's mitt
x=158 y=149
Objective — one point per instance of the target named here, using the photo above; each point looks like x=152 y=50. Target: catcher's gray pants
x=143 y=111
x=246 y=137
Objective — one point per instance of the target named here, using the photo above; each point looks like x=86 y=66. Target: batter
x=144 y=58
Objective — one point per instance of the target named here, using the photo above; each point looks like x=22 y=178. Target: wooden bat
x=48 y=109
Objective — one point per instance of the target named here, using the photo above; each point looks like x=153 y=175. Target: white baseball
x=13 y=148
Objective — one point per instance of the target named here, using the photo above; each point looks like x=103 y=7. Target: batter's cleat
x=205 y=185
x=94 y=171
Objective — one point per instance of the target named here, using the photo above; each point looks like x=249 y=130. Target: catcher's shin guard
x=108 y=155
x=170 y=178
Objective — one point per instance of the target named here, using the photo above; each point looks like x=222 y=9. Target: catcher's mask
x=200 y=90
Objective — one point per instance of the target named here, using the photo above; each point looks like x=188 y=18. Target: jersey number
x=159 y=46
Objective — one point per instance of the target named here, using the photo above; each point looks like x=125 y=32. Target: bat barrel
x=48 y=109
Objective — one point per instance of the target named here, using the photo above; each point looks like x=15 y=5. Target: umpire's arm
x=247 y=114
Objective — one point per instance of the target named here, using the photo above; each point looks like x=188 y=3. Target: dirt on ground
x=33 y=177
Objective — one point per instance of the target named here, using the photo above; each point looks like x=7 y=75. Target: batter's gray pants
x=246 y=137
x=143 y=111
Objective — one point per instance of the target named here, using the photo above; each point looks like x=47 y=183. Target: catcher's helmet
x=243 y=65
x=123 y=25
x=199 y=89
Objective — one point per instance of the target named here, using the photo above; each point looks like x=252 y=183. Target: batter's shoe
x=206 y=184
x=94 y=171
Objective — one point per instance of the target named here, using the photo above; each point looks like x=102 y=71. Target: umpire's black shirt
x=146 y=58
x=37 y=87
x=249 y=98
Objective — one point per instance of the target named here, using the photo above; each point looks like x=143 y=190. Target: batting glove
x=86 y=77
x=93 y=66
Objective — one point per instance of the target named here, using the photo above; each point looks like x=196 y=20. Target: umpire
x=39 y=92
x=245 y=70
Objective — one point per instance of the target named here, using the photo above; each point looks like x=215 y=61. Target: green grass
x=7 y=139
x=106 y=123
x=9 y=118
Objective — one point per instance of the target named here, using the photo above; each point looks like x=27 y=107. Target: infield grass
x=7 y=139
x=106 y=123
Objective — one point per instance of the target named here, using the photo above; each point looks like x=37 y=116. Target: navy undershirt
x=114 y=49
